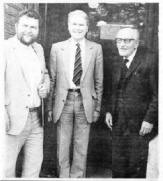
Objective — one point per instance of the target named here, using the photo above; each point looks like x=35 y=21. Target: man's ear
x=137 y=44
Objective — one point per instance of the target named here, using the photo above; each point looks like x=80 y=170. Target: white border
x=2 y=152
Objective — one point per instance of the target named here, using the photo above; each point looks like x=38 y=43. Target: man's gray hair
x=134 y=28
x=78 y=13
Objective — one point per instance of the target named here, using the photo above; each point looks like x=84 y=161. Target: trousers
x=129 y=150
x=31 y=139
x=72 y=131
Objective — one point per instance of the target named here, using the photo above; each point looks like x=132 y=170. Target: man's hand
x=50 y=116
x=108 y=120
x=42 y=90
x=145 y=128
x=96 y=115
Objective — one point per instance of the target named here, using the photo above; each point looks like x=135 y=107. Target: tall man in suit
x=76 y=67
x=26 y=83
x=133 y=111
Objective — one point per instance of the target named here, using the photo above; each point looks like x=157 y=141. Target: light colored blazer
x=91 y=82
x=17 y=89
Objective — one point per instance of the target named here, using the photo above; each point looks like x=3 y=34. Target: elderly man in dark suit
x=134 y=105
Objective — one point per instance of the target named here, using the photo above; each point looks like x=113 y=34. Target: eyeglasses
x=126 y=41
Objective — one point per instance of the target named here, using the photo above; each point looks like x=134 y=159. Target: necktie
x=125 y=62
x=77 y=66
x=124 y=67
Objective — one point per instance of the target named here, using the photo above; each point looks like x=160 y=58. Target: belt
x=34 y=109
x=74 y=90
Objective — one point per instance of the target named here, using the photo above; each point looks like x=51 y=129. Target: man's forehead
x=127 y=33
x=77 y=18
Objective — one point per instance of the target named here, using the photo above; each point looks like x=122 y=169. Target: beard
x=27 y=39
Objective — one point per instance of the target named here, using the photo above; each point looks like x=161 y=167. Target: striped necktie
x=77 y=66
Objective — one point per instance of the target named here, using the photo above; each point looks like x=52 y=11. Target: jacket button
x=26 y=107
x=28 y=95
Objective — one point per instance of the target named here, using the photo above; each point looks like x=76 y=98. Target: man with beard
x=26 y=84
x=134 y=105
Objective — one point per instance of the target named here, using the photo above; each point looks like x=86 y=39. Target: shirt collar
x=131 y=57
x=81 y=42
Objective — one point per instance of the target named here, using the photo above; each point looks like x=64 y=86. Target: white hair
x=78 y=13
x=129 y=29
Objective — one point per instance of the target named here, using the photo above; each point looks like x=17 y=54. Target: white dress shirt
x=32 y=70
x=73 y=48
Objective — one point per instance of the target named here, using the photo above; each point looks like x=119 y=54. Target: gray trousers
x=72 y=128
x=32 y=140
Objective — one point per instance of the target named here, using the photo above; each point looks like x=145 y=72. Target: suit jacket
x=91 y=85
x=140 y=96
x=17 y=89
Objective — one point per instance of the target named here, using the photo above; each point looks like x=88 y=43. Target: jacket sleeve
x=98 y=78
x=108 y=92
x=47 y=80
x=52 y=69
x=45 y=77
x=152 y=112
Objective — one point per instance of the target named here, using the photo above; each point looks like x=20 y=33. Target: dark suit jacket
x=140 y=94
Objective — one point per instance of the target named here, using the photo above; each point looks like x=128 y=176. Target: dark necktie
x=77 y=66
x=125 y=62
x=124 y=67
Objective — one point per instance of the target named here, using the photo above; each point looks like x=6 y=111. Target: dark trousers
x=129 y=151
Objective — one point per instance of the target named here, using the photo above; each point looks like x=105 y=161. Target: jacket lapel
x=40 y=55
x=88 y=55
x=117 y=71
x=136 y=61
x=65 y=48
x=18 y=60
